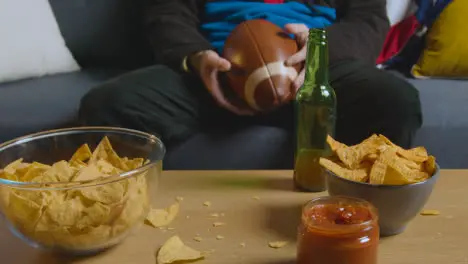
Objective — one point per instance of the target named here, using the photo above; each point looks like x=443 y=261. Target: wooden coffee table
x=274 y=216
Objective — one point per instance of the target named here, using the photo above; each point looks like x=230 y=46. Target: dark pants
x=161 y=101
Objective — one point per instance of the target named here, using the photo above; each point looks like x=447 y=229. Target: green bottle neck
x=316 y=71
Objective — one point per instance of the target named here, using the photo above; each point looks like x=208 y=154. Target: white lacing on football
x=262 y=74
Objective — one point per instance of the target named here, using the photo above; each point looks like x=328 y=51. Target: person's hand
x=208 y=64
x=301 y=32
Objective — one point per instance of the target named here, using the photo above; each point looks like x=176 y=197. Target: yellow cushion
x=446 y=52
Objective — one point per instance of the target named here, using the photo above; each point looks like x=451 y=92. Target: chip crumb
x=207 y=204
x=256 y=198
x=218 y=237
x=216 y=224
x=188 y=217
x=214 y=215
x=277 y=244
x=179 y=198
x=207 y=252
x=198 y=239
x=429 y=212
x=242 y=244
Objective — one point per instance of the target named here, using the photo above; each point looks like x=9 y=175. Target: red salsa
x=338 y=230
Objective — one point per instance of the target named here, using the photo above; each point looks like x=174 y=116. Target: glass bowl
x=84 y=216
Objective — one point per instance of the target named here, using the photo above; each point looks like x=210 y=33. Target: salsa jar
x=338 y=230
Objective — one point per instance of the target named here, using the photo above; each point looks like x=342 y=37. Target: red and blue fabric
x=397 y=37
x=426 y=14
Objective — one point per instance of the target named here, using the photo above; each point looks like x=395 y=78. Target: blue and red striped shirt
x=221 y=17
x=273 y=1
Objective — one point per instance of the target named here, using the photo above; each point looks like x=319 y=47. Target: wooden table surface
x=273 y=217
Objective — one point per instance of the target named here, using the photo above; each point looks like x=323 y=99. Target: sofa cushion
x=248 y=148
x=444 y=102
x=448 y=145
x=445 y=127
x=50 y=102
x=445 y=54
x=31 y=45
x=103 y=33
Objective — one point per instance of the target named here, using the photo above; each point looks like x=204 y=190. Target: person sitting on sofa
x=181 y=94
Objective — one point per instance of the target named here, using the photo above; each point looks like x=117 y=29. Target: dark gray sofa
x=106 y=39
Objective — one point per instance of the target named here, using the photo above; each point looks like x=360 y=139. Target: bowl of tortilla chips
x=397 y=181
x=78 y=190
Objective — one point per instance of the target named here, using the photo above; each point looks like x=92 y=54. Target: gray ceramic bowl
x=396 y=205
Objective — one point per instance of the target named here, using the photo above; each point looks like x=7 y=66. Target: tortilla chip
x=13 y=166
x=359 y=175
x=418 y=154
x=334 y=145
x=90 y=172
x=62 y=171
x=82 y=155
x=430 y=165
x=34 y=170
x=65 y=212
x=105 y=151
x=398 y=173
x=95 y=215
x=109 y=193
x=134 y=163
x=23 y=211
x=163 y=217
x=377 y=173
x=377 y=160
x=354 y=155
x=174 y=250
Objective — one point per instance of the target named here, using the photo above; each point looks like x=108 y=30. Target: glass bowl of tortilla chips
x=397 y=181
x=78 y=190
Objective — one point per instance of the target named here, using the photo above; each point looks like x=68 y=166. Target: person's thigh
x=371 y=101
x=154 y=99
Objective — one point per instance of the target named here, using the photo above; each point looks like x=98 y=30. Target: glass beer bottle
x=315 y=115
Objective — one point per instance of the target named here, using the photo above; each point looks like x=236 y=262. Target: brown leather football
x=257 y=50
